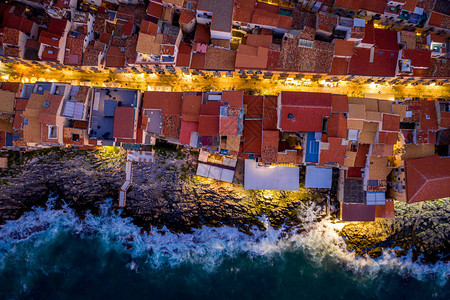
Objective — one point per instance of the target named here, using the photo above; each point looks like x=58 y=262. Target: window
x=75 y=137
x=52 y=132
x=46 y=104
x=25 y=121
x=291 y=116
x=427 y=116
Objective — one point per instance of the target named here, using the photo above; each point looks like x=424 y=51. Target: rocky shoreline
x=166 y=193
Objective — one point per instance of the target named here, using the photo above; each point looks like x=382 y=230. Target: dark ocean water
x=52 y=254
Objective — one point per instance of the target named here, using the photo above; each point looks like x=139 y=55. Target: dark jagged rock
x=167 y=193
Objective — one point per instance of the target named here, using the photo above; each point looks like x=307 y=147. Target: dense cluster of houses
x=250 y=38
x=380 y=150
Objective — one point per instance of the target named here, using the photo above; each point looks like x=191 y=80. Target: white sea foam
x=207 y=246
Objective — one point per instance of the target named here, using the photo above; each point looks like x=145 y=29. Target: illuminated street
x=182 y=82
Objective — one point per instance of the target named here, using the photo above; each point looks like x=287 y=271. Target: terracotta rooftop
x=16 y=22
x=228 y=125
x=384 y=62
x=303 y=111
x=202 y=34
x=350 y=4
x=254 y=106
x=259 y=40
x=57 y=26
x=339 y=103
x=252 y=136
x=326 y=22
x=124 y=122
x=7 y=101
x=270 y=113
x=11 y=36
x=337 y=125
x=335 y=152
x=50 y=53
x=339 y=66
x=376 y=6
x=186 y=16
x=269 y=147
x=243 y=10
x=49 y=38
x=427 y=178
x=419 y=58
x=254 y=58
x=198 y=61
x=155 y=9
x=115 y=58
x=343 y=48
x=391 y=122
x=49 y=113
x=208 y=125
x=220 y=59
x=186 y=130
x=168 y=102
x=171 y=125
x=190 y=108
x=233 y=98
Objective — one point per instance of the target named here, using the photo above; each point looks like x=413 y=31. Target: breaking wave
x=206 y=247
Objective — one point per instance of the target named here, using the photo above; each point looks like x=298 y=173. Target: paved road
x=182 y=82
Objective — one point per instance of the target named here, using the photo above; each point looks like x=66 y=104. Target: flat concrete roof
x=318 y=178
x=270 y=178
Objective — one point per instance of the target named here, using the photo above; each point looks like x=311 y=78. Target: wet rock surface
x=167 y=193
x=422 y=227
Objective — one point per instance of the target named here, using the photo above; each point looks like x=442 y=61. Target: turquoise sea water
x=52 y=254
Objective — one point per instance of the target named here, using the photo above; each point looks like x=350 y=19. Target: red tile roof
x=49 y=38
x=435 y=19
x=186 y=130
x=270 y=113
x=233 y=98
x=124 y=122
x=343 y=48
x=49 y=113
x=115 y=58
x=376 y=6
x=369 y=34
x=386 y=137
x=339 y=66
x=186 y=17
x=50 y=53
x=384 y=63
x=419 y=58
x=198 y=61
x=428 y=117
x=252 y=136
x=337 y=125
x=259 y=40
x=339 y=103
x=445 y=119
x=57 y=26
x=386 y=211
x=335 y=153
x=155 y=9
x=201 y=34
x=254 y=106
x=382 y=149
x=208 y=125
x=11 y=36
x=326 y=22
x=357 y=212
x=350 y=4
x=386 y=40
x=228 y=125
x=168 y=102
x=243 y=10
x=19 y=23
x=184 y=55
x=361 y=155
x=190 y=107
x=301 y=111
x=269 y=147
x=254 y=58
x=427 y=178
x=391 y=122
